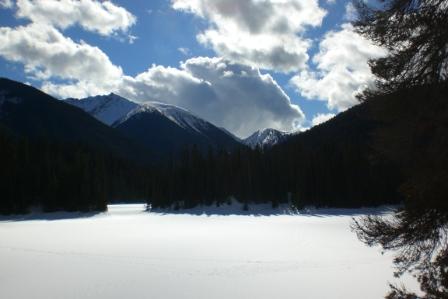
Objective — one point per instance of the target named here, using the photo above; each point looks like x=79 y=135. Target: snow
x=182 y=117
x=266 y=138
x=129 y=253
x=113 y=110
x=106 y=108
x=141 y=108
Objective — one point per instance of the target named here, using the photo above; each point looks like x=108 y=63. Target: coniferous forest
x=366 y=156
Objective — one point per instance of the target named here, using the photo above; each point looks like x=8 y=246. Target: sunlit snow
x=130 y=253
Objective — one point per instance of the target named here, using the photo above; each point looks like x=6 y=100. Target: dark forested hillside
x=31 y=113
x=59 y=157
x=63 y=176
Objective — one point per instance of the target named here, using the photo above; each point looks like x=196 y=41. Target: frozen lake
x=129 y=253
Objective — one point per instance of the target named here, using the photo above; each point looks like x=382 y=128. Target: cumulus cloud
x=47 y=53
x=342 y=69
x=6 y=4
x=264 y=34
x=351 y=13
x=321 y=118
x=102 y=17
x=233 y=96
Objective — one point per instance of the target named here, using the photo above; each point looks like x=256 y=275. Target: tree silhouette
x=415 y=34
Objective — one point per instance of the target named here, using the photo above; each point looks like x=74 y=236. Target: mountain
x=162 y=127
x=31 y=113
x=106 y=108
x=266 y=138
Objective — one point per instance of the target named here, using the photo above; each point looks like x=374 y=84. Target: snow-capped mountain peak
x=266 y=138
x=158 y=125
x=113 y=109
x=106 y=108
x=182 y=117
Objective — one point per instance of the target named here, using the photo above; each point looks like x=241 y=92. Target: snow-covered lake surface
x=130 y=253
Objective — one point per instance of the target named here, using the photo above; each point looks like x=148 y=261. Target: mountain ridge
x=266 y=138
x=28 y=112
x=165 y=127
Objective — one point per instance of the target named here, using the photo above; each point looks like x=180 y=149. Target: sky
x=241 y=64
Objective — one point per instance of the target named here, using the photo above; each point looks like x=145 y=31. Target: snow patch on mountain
x=182 y=117
x=114 y=110
x=266 y=138
x=106 y=108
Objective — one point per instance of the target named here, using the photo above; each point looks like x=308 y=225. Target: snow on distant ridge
x=106 y=108
x=266 y=138
x=182 y=117
x=113 y=110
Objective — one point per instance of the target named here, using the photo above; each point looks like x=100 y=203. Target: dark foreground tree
x=420 y=238
x=416 y=36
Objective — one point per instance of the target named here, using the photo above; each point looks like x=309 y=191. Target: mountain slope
x=162 y=127
x=266 y=138
x=170 y=129
x=106 y=108
x=371 y=153
x=29 y=112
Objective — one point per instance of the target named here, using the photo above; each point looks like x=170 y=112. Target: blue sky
x=240 y=68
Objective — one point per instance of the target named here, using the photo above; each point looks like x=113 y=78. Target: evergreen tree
x=415 y=33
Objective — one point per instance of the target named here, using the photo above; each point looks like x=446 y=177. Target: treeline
x=319 y=172
x=378 y=152
x=306 y=172
x=57 y=176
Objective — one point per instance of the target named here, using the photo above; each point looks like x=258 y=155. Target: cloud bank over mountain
x=236 y=88
x=234 y=96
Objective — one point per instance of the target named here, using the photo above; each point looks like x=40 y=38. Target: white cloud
x=6 y=4
x=46 y=53
x=78 y=88
x=321 y=118
x=102 y=17
x=184 y=51
x=264 y=34
x=230 y=95
x=351 y=13
x=342 y=69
